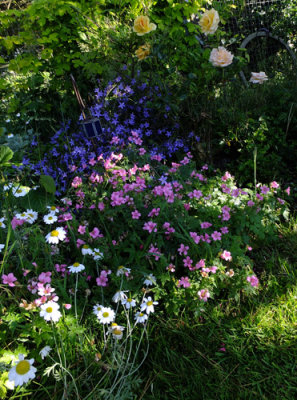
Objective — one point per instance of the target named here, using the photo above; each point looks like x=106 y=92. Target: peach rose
x=142 y=25
x=220 y=57
x=258 y=77
x=143 y=51
x=209 y=22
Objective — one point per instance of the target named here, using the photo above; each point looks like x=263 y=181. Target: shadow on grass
x=187 y=359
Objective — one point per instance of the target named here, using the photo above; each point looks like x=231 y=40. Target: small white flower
x=56 y=235
x=86 y=250
x=2 y=225
x=50 y=218
x=129 y=303
x=148 y=305
x=97 y=308
x=123 y=270
x=116 y=331
x=76 y=267
x=106 y=315
x=50 y=311
x=45 y=352
x=31 y=216
x=140 y=317
x=258 y=77
x=22 y=371
x=119 y=296
x=20 y=191
x=97 y=254
x=22 y=216
x=7 y=187
x=10 y=136
x=150 y=280
x=1 y=247
x=52 y=209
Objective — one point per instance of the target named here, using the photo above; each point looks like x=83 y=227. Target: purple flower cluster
x=126 y=114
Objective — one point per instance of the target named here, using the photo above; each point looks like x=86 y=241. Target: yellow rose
x=220 y=57
x=143 y=51
x=142 y=25
x=209 y=22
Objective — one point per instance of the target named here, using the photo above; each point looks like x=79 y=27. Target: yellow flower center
x=49 y=309
x=117 y=332
x=31 y=215
x=0 y=223
x=114 y=324
x=121 y=267
x=85 y=246
x=76 y=265
x=129 y=300
x=53 y=208
x=19 y=191
x=99 y=308
x=23 y=214
x=105 y=314
x=141 y=314
x=149 y=303
x=55 y=233
x=50 y=217
x=22 y=367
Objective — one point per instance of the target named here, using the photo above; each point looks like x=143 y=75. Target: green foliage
x=6 y=155
x=48 y=183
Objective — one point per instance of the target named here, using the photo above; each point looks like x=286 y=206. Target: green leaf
x=6 y=154
x=48 y=183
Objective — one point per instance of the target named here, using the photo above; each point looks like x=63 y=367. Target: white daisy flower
x=97 y=308
x=20 y=191
x=56 y=235
x=1 y=247
x=31 y=216
x=7 y=187
x=119 y=296
x=86 y=250
x=22 y=215
x=116 y=331
x=148 y=305
x=76 y=267
x=123 y=270
x=97 y=254
x=50 y=218
x=45 y=352
x=129 y=303
x=10 y=135
x=2 y=225
x=22 y=371
x=140 y=317
x=50 y=311
x=150 y=280
x=106 y=315
x=52 y=209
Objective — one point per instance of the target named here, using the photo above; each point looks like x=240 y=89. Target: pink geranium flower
x=81 y=229
x=135 y=214
x=16 y=222
x=184 y=282
x=253 y=280
x=150 y=226
x=203 y=294
x=45 y=277
x=226 y=255
x=9 y=279
x=96 y=233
